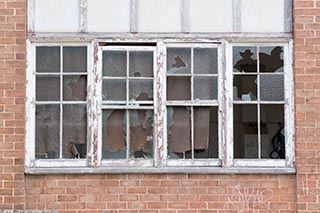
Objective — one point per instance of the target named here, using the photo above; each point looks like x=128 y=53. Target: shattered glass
x=75 y=88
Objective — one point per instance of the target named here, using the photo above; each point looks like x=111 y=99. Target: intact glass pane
x=141 y=64
x=245 y=129
x=141 y=133
x=75 y=88
x=47 y=88
x=74 y=131
x=205 y=61
x=114 y=134
x=74 y=59
x=178 y=88
x=272 y=131
x=178 y=61
x=245 y=59
x=271 y=59
x=47 y=59
x=245 y=87
x=272 y=87
x=141 y=90
x=114 y=90
x=114 y=63
x=47 y=144
x=205 y=88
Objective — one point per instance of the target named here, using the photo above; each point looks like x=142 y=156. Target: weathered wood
x=83 y=10
x=185 y=16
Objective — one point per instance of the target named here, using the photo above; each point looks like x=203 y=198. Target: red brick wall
x=161 y=193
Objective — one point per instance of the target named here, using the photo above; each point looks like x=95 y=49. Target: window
x=210 y=104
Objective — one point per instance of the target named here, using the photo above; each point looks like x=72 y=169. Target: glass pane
x=47 y=59
x=245 y=59
x=205 y=88
x=178 y=60
x=113 y=134
x=179 y=131
x=75 y=88
x=141 y=90
x=272 y=87
x=74 y=131
x=272 y=131
x=245 y=87
x=271 y=59
x=141 y=64
x=114 y=63
x=205 y=61
x=245 y=131
x=206 y=132
x=114 y=90
x=47 y=132
x=47 y=88
x=178 y=88
x=141 y=133
x=74 y=59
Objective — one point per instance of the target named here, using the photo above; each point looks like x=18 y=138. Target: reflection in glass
x=141 y=64
x=48 y=88
x=141 y=90
x=74 y=131
x=245 y=87
x=205 y=88
x=47 y=59
x=271 y=87
x=205 y=61
x=114 y=90
x=47 y=132
x=114 y=63
x=75 y=88
x=245 y=59
x=178 y=61
x=271 y=59
x=245 y=127
x=74 y=59
x=178 y=88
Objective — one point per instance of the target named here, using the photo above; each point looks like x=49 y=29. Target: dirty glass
x=141 y=64
x=47 y=135
x=271 y=59
x=75 y=88
x=245 y=87
x=271 y=87
x=114 y=64
x=47 y=88
x=205 y=61
x=114 y=134
x=74 y=131
x=114 y=90
x=205 y=88
x=178 y=88
x=245 y=59
x=141 y=90
x=74 y=59
x=47 y=59
x=245 y=131
x=141 y=133
x=272 y=131
x=178 y=60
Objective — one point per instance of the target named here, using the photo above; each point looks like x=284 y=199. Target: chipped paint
x=83 y=15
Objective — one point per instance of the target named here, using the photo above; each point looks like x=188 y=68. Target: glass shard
x=141 y=64
x=245 y=87
x=178 y=61
x=141 y=90
x=75 y=88
x=205 y=88
x=245 y=59
x=74 y=59
x=114 y=64
x=271 y=59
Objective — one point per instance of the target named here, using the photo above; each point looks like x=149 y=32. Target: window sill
x=167 y=170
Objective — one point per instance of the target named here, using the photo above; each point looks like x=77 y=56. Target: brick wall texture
x=160 y=193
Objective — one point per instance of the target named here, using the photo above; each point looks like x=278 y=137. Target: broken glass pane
x=178 y=61
x=75 y=88
x=272 y=131
x=141 y=133
x=206 y=132
x=47 y=88
x=47 y=59
x=245 y=59
x=141 y=64
x=205 y=88
x=178 y=88
x=245 y=87
x=47 y=132
x=271 y=59
x=271 y=87
x=179 y=131
x=141 y=90
x=245 y=123
x=74 y=131
x=114 y=64
x=114 y=134
x=74 y=59
x=205 y=61
x=114 y=90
